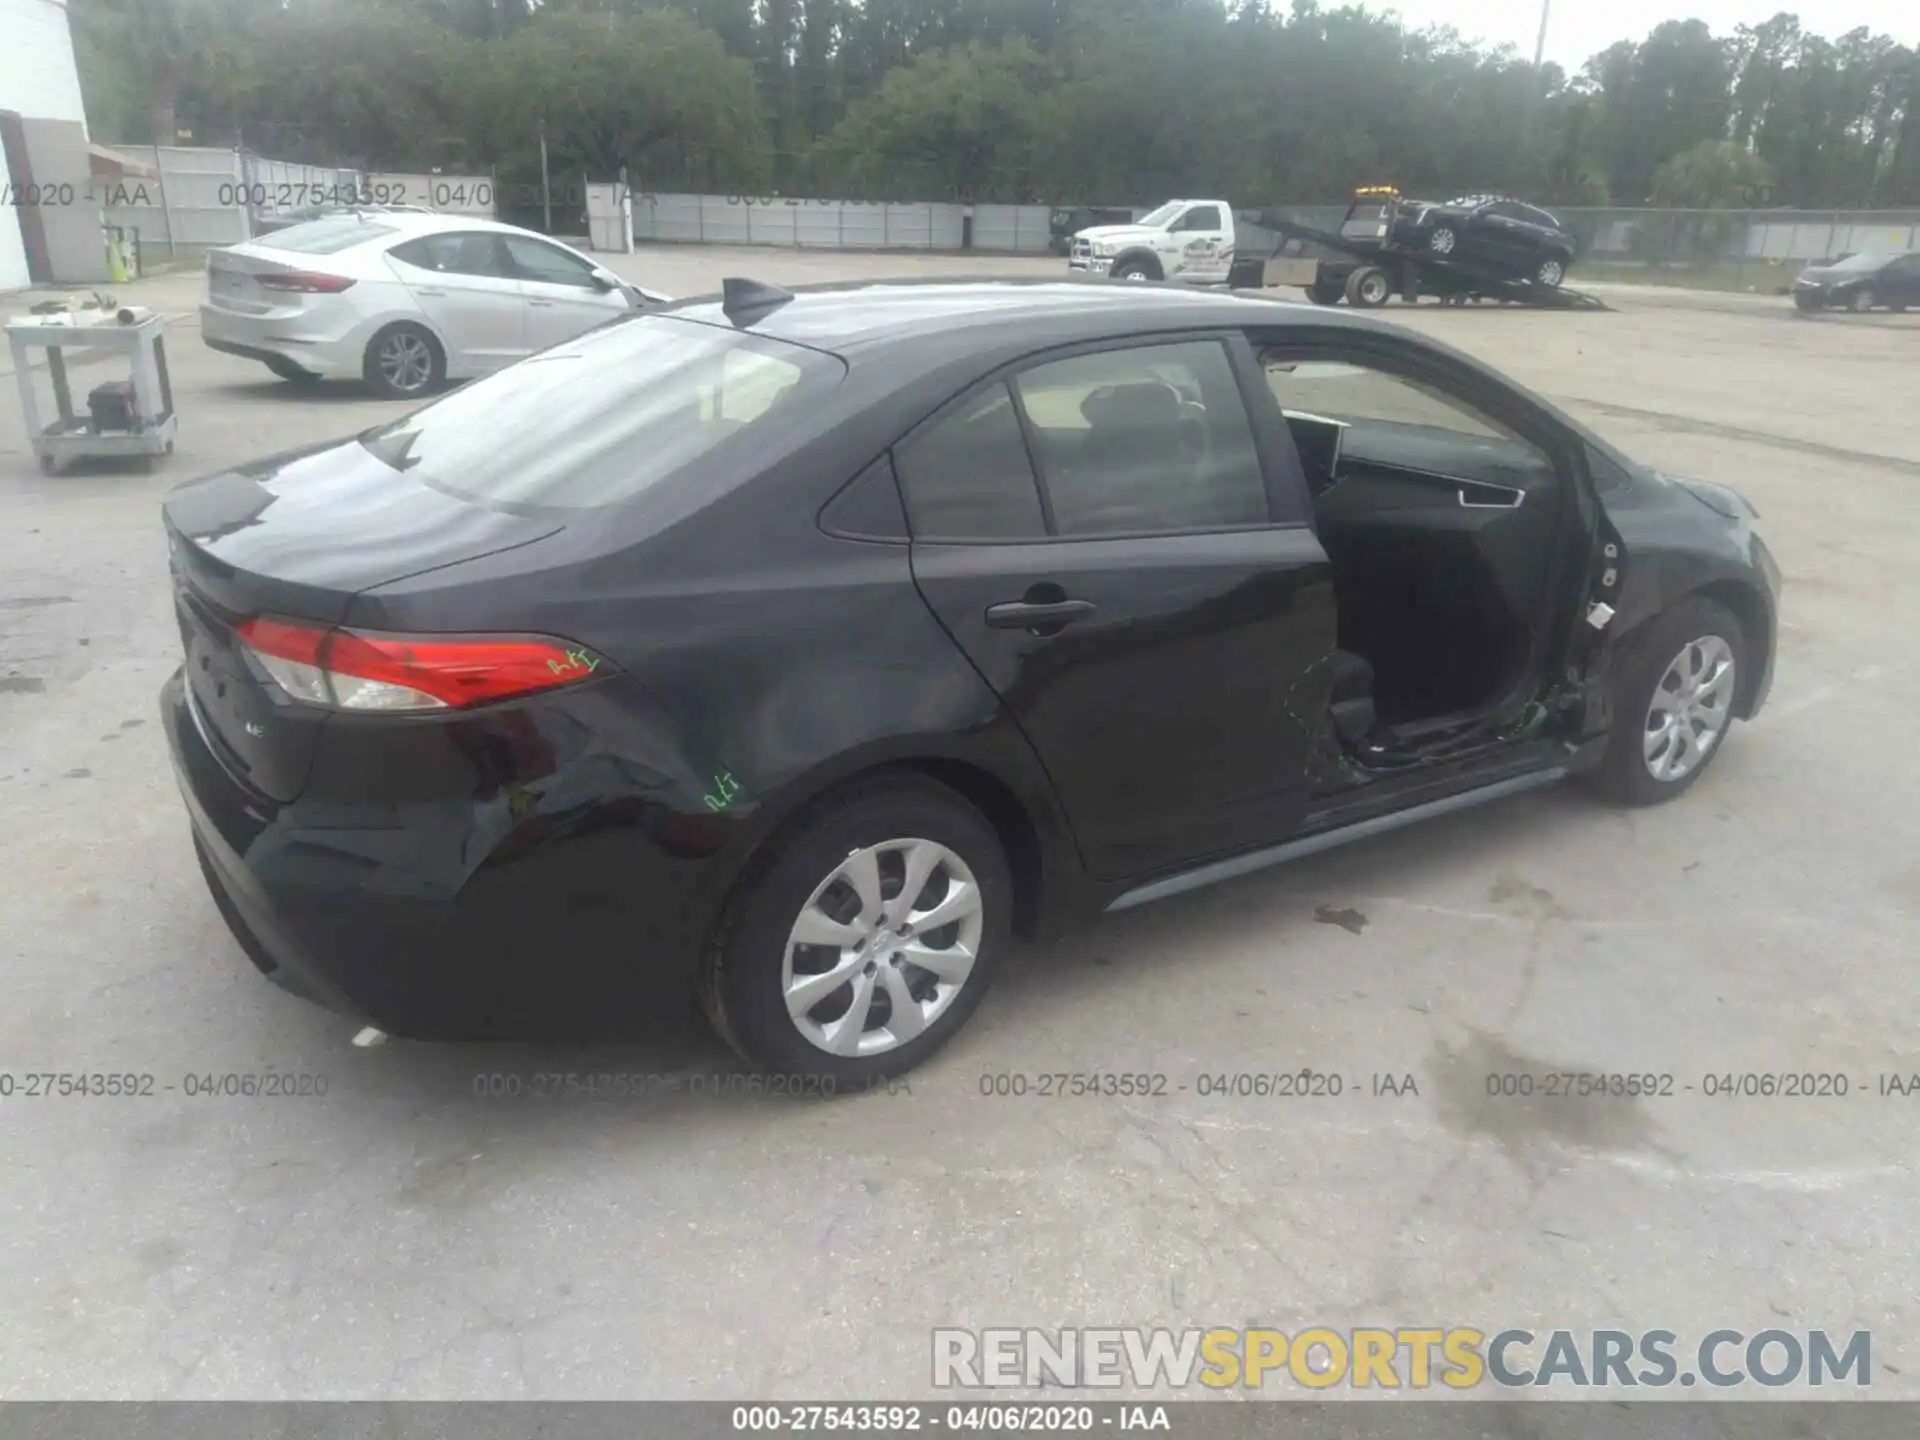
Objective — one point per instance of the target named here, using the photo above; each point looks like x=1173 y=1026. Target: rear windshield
x=598 y=420
x=325 y=237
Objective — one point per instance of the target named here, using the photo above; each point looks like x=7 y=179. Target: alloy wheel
x=1552 y=272
x=406 y=360
x=1441 y=242
x=882 y=947
x=1690 y=709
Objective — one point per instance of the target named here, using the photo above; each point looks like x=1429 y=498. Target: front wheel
x=1552 y=271
x=1444 y=240
x=1674 y=694
x=867 y=938
x=1135 y=270
x=1806 y=301
x=1860 y=301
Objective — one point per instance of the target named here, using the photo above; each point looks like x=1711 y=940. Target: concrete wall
x=836 y=224
x=38 y=81
x=204 y=197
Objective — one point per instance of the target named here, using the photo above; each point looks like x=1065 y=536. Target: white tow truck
x=1188 y=242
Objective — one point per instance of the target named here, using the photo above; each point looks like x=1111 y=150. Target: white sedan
x=403 y=301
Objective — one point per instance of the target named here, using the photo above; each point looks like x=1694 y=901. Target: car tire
x=1806 y=302
x=1551 y=271
x=1696 y=635
x=404 y=362
x=1322 y=292
x=1135 y=269
x=809 y=876
x=1444 y=240
x=1368 y=288
x=289 y=371
x=1860 y=301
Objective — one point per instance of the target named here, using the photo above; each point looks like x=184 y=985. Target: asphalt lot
x=402 y=1237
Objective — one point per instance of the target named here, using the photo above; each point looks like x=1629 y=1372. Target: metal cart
x=116 y=425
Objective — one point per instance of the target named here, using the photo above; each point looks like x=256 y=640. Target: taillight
x=302 y=282
x=365 y=671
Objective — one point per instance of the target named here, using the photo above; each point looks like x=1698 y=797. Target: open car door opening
x=1449 y=531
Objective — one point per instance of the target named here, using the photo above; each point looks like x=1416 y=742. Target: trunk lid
x=299 y=535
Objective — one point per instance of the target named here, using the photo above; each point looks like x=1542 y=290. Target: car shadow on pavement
x=319 y=392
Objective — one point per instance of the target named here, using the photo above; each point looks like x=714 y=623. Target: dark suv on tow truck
x=1521 y=241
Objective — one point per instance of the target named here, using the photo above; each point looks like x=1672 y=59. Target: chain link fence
x=1748 y=250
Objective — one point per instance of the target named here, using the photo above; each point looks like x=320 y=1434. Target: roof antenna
x=747 y=302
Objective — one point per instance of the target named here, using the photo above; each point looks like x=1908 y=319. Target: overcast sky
x=1578 y=29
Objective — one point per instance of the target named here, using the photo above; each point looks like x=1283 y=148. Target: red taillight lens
x=362 y=670
x=303 y=282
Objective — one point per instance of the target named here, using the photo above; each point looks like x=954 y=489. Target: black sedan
x=1860 y=282
x=794 y=651
x=1510 y=236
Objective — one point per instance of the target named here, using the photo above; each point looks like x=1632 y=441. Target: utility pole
x=546 y=186
x=1540 y=45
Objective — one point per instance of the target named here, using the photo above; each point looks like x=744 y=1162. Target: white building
x=43 y=124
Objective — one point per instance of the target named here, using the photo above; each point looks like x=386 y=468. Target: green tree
x=950 y=124
x=653 y=92
x=154 y=52
x=1713 y=175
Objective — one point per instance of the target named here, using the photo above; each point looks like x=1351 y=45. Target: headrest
x=1149 y=403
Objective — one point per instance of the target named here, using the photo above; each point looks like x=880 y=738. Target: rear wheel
x=866 y=939
x=1368 y=288
x=1673 y=703
x=1324 y=292
x=287 y=370
x=404 y=362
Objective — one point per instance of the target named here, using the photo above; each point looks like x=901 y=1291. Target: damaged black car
x=1493 y=231
x=794 y=651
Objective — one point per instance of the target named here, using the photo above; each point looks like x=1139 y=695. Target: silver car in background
x=403 y=301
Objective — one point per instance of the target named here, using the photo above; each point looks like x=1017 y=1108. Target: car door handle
x=1036 y=614
x=434 y=293
x=543 y=304
x=1491 y=497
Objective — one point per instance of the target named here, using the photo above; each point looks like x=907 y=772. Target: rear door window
x=470 y=252
x=600 y=419
x=1152 y=439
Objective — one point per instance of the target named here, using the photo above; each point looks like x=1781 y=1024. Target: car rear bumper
x=429 y=922
x=315 y=344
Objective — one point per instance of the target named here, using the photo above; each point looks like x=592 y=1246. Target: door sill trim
x=1238 y=865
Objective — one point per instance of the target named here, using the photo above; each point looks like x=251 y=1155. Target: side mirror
x=605 y=279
